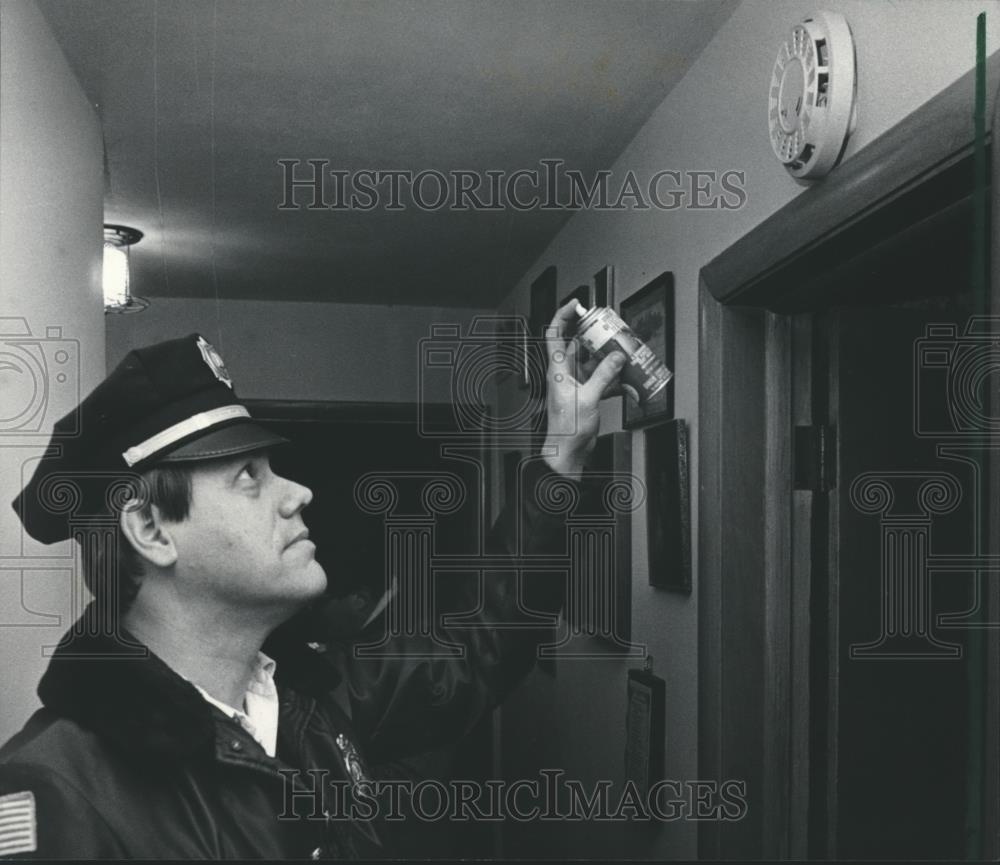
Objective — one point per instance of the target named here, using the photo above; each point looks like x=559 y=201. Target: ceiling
x=198 y=101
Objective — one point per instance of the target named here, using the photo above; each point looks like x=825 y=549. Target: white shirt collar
x=260 y=719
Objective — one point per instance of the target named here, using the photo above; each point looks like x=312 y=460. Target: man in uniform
x=167 y=730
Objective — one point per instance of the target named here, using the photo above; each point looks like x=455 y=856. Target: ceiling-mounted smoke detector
x=812 y=100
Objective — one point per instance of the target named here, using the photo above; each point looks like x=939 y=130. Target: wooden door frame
x=753 y=664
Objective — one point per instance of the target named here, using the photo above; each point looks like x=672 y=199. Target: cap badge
x=214 y=361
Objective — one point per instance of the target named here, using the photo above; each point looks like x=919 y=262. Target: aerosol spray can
x=601 y=331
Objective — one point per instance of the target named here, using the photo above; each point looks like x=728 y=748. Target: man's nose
x=296 y=497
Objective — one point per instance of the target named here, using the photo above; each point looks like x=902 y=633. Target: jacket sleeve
x=42 y=816
x=418 y=694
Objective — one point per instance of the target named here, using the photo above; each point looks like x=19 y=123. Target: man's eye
x=248 y=472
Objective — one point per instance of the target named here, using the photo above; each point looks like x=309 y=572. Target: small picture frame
x=609 y=464
x=645 y=728
x=650 y=314
x=507 y=333
x=581 y=293
x=668 y=506
x=604 y=287
x=542 y=306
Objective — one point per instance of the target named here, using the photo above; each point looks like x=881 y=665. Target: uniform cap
x=169 y=402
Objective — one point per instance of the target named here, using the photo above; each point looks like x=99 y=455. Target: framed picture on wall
x=650 y=313
x=542 y=306
x=602 y=603
x=604 y=286
x=507 y=333
x=668 y=506
x=582 y=293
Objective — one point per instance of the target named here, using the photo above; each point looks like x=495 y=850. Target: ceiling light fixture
x=118 y=297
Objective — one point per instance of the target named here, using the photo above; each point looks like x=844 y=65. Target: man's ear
x=145 y=530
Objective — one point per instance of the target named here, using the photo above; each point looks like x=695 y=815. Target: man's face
x=244 y=542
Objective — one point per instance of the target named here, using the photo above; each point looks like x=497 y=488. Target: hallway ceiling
x=198 y=101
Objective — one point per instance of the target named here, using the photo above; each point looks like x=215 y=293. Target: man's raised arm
x=417 y=695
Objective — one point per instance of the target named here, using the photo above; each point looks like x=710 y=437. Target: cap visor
x=227 y=441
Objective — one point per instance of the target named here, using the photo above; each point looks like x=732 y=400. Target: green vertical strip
x=980 y=238
x=976 y=644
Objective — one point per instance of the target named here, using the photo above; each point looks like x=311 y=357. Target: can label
x=644 y=375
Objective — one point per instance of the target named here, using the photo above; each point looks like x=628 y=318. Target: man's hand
x=573 y=404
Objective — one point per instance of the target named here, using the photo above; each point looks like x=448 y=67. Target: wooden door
x=898 y=585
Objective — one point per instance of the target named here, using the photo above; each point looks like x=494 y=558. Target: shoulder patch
x=18 y=827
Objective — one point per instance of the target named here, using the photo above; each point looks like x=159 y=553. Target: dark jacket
x=126 y=759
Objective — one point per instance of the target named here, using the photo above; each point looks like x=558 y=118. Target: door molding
x=751 y=673
x=880 y=188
